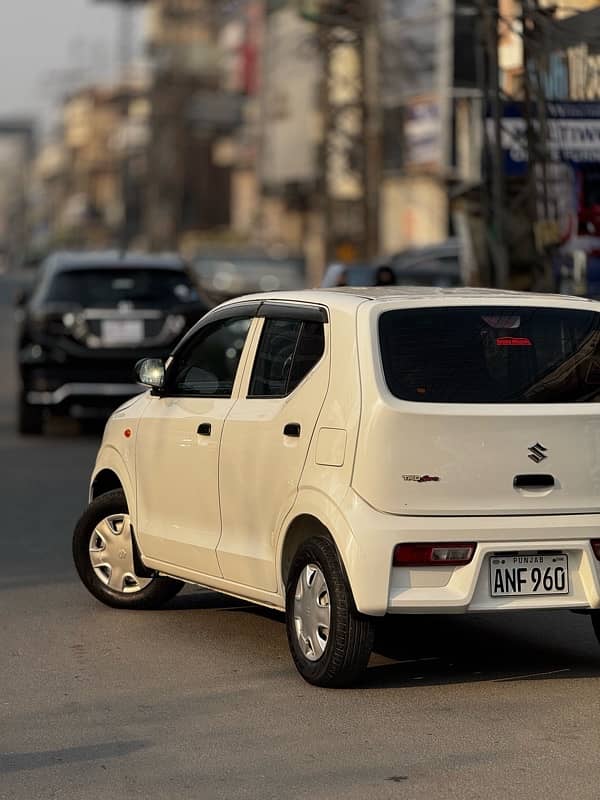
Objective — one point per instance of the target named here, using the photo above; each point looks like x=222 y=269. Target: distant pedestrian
x=342 y=279
x=385 y=276
x=335 y=276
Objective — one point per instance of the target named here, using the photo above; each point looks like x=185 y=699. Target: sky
x=48 y=47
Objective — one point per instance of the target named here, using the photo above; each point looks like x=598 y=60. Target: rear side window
x=491 y=355
x=310 y=350
x=288 y=351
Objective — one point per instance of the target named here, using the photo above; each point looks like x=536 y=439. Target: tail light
x=436 y=555
x=596 y=548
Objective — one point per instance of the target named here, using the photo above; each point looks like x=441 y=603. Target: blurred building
x=95 y=166
x=238 y=145
x=250 y=127
x=17 y=142
x=290 y=167
x=189 y=184
x=551 y=133
x=431 y=119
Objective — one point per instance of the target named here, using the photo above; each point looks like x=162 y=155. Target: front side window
x=492 y=354
x=288 y=351
x=208 y=364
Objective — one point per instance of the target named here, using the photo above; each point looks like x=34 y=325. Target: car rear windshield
x=491 y=355
x=106 y=288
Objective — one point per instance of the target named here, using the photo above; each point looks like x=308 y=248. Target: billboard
x=568 y=183
x=573 y=135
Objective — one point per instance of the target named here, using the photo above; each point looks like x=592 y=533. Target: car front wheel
x=105 y=555
x=329 y=640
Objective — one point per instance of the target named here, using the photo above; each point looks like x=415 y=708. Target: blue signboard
x=573 y=135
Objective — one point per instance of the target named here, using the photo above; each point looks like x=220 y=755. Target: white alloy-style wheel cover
x=312 y=613
x=111 y=555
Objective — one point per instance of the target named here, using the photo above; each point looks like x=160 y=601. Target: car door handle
x=534 y=481
x=205 y=429
x=293 y=429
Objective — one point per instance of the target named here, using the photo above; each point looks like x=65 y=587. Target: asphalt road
x=201 y=701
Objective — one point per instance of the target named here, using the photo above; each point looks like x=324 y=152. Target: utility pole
x=125 y=55
x=536 y=115
x=496 y=223
x=351 y=151
x=372 y=128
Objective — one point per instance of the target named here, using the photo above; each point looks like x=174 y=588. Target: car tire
x=108 y=561
x=30 y=419
x=595 y=615
x=329 y=640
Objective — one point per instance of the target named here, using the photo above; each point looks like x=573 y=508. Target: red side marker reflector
x=127 y=433
x=511 y=341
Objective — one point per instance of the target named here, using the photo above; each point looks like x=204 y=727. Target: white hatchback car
x=342 y=455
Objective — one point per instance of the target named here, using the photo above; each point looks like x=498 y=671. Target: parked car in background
x=338 y=274
x=225 y=274
x=437 y=265
x=85 y=322
x=360 y=453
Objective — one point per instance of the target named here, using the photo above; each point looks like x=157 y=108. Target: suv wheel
x=107 y=560
x=30 y=419
x=595 y=615
x=329 y=641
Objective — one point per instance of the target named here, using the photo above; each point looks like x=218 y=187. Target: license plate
x=122 y=332
x=529 y=575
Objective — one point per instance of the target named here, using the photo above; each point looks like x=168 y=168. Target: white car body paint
x=217 y=512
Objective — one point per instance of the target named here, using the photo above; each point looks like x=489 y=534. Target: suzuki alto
x=348 y=454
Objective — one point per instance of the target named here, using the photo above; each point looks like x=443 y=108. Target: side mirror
x=150 y=372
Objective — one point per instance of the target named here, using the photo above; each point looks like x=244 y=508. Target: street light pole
x=497 y=232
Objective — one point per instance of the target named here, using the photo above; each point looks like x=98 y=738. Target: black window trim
x=248 y=309
x=260 y=309
x=277 y=315
x=271 y=309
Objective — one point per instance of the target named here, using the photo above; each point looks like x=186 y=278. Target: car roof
x=91 y=260
x=352 y=296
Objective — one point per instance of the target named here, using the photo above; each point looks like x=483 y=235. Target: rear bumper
x=467 y=589
x=380 y=588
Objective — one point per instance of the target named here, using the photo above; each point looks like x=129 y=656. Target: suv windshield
x=106 y=288
x=492 y=355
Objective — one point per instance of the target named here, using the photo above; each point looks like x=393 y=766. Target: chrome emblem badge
x=537 y=453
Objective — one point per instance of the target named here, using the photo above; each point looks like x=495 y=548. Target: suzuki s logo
x=537 y=453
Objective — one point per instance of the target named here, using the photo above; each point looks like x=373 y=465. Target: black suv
x=88 y=319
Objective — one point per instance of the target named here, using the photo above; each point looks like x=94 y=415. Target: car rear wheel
x=107 y=559
x=329 y=640
x=30 y=419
